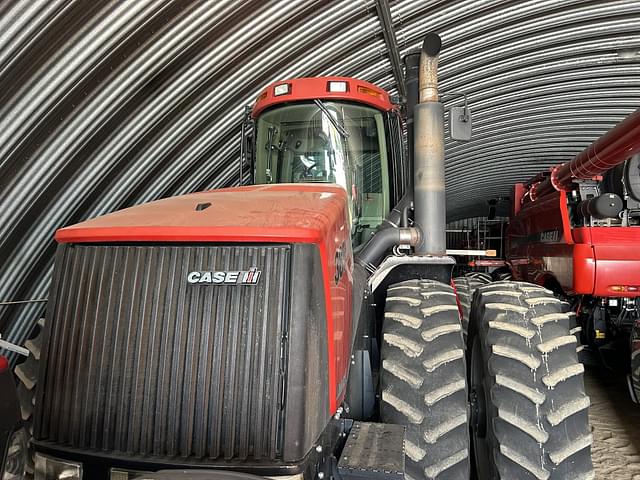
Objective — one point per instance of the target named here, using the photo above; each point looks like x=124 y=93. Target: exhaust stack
x=411 y=86
x=428 y=168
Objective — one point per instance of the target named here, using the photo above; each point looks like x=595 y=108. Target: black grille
x=141 y=362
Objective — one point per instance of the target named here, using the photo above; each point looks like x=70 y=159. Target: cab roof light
x=282 y=89
x=369 y=91
x=337 y=87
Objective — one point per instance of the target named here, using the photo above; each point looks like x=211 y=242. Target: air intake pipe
x=428 y=169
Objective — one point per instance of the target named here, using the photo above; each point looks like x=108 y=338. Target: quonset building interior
x=312 y=239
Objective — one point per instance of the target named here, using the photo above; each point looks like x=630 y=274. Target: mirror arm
x=459 y=119
x=465 y=117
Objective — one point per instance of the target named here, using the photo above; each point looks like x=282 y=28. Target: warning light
x=369 y=91
x=624 y=288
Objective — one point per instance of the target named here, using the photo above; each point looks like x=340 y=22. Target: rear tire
x=481 y=277
x=529 y=407
x=423 y=379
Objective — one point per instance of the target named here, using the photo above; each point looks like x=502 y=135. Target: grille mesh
x=143 y=363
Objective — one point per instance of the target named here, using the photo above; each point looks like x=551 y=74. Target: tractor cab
x=334 y=130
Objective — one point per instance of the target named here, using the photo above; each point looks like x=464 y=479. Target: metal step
x=373 y=451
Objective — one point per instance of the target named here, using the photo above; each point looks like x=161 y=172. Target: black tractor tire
x=502 y=274
x=574 y=328
x=529 y=408
x=27 y=374
x=423 y=379
x=465 y=288
x=481 y=277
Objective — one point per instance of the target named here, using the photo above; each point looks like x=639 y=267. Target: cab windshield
x=328 y=142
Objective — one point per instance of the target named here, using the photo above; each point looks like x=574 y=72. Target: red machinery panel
x=282 y=213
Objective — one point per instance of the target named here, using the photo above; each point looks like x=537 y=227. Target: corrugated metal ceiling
x=109 y=104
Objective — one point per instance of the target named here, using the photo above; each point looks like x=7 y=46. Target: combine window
x=328 y=142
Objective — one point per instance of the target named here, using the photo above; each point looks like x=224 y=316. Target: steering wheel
x=307 y=171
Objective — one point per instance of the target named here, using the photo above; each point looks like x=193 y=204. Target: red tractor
x=304 y=326
x=576 y=231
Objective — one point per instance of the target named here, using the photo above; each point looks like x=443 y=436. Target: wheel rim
x=478 y=402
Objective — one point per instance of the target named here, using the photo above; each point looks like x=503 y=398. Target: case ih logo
x=249 y=277
x=550 y=236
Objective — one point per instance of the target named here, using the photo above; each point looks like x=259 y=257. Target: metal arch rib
x=391 y=41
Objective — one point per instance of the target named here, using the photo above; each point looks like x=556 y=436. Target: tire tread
x=423 y=379
x=539 y=407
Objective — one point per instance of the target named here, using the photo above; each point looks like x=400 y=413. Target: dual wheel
x=507 y=403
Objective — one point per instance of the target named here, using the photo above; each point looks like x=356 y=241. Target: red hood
x=263 y=213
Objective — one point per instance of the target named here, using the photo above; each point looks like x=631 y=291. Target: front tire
x=423 y=379
x=529 y=407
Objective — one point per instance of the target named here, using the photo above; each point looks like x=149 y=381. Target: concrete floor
x=615 y=421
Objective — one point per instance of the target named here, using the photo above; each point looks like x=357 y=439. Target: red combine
x=576 y=231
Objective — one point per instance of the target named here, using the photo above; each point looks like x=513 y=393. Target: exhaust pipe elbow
x=372 y=253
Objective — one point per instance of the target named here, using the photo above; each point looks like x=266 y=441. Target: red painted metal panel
x=608 y=254
x=282 y=213
x=311 y=88
x=584 y=270
x=581 y=235
x=339 y=300
x=302 y=213
x=616 y=269
x=519 y=189
x=540 y=244
x=628 y=236
x=603 y=257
